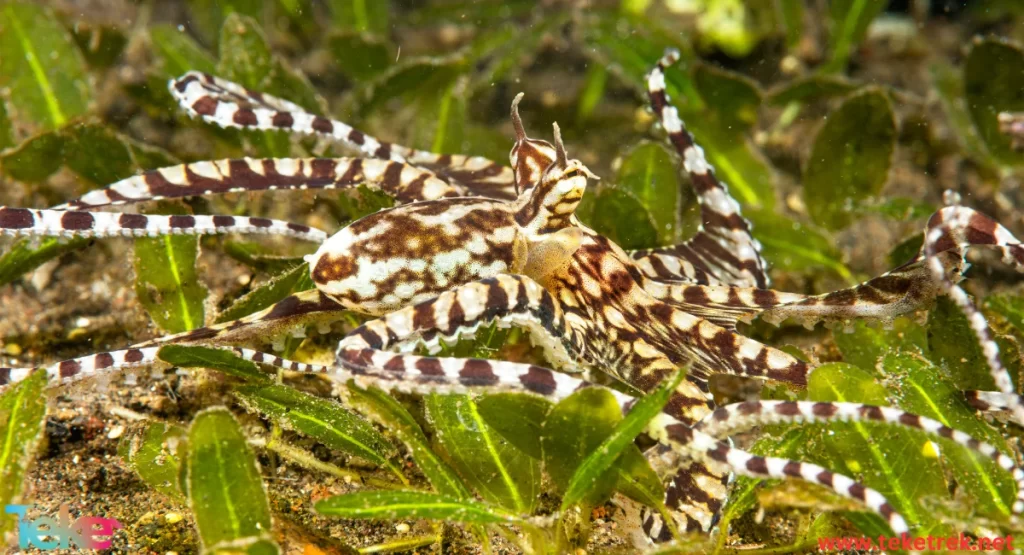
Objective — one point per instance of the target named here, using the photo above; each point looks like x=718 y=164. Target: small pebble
x=173 y=518
x=402 y=527
x=115 y=432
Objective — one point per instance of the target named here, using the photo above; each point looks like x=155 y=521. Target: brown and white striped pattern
x=737 y=417
x=76 y=223
x=723 y=251
x=405 y=183
x=228 y=104
x=956 y=228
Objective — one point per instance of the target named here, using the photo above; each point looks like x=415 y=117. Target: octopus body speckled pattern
x=473 y=242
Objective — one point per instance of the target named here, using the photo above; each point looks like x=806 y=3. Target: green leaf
x=389 y=413
x=394 y=505
x=360 y=15
x=920 y=388
x=151 y=452
x=293 y=281
x=865 y=346
x=849 y=20
x=1009 y=306
x=793 y=246
x=23 y=257
x=649 y=172
x=500 y=473
x=6 y=129
x=261 y=257
x=190 y=356
x=594 y=468
x=179 y=52
x=955 y=347
x=948 y=84
x=360 y=56
x=518 y=418
x=620 y=216
x=792 y=15
x=225 y=489
x=810 y=88
x=166 y=280
x=22 y=414
x=320 y=419
x=593 y=91
x=993 y=83
x=36 y=158
x=41 y=67
x=850 y=159
x=734 y=97
x=892 y=460
x=575 y=427
x=98 y=153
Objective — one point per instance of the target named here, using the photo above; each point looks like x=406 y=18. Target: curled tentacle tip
x=562 y=159
x=517 y=122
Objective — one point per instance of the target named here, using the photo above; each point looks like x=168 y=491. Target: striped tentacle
x=994 y=401
x=730 y=419
x=506 y=299
x=722 y=305
x=954 y=227
x=228 y=104
x=76 y=223
x=289 y=315
x=404 y=182
x=914 y=284
x=714 y=452
x=72 y=370
x=723 y=249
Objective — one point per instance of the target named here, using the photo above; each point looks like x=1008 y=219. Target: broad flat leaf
x=6 y=129
x=896 y=462
x=848 y=22
x=794 y=246
x=394 y=505
x=151 y=452
x=41 y=67
x=792 y=18
x=593 y=469
x=811 y=88
x=520 y=419
x=179 y=52
x=993 y=83
x=387 y=412
x=574 y=428
x=166 y=280
x=225 y=489
x=190 y=356
x=36 y=158
x=360 y=15
x=1009 y=306
x=734 y=97
x=906 y=250
x=621 y=217
x=320 y=419
x=921 y=388
x=206 y=17
x=98 y=153
x=850 y=159
x=261 y=257
x=649 y=172
x=293 y=281
x=955 y=347
x=865 y=345
x=500 y=473
x=22 y=413
x=948 y=84
x=360 y=56
x=23 y=257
